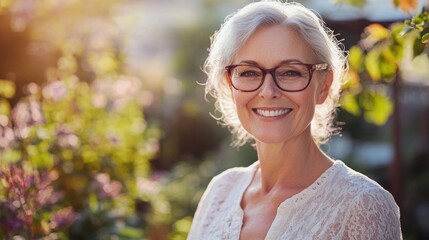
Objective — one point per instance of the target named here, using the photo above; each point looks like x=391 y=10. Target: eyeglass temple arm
x=320 y=66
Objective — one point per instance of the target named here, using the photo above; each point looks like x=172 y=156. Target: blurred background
x=105 y=131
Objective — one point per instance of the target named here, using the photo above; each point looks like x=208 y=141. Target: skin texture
x=289 y=159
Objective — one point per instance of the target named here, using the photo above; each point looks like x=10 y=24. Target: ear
x=325 y=86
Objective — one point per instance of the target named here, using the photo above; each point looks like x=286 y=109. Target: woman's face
x=270 y=114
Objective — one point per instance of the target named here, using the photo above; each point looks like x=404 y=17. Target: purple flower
x=63 y=218
x=10 y=219
x=27 y=193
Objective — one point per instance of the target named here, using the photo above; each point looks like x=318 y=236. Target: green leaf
x=387 y=70
x=377 y=107
x=387 y=63
x=398 y=52
x=418 y=46
x=405 y=31
x=372 y=64
x=183 y=225
x=350 y=104
x=130 y=232
x=356 y=58
x=93 y=202
x=425 y=38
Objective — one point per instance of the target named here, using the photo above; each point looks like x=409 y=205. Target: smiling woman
x=274 y=70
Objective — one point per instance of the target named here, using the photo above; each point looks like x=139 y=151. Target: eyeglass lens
x=289 y=77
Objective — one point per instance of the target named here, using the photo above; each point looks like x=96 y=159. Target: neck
x=294 y=164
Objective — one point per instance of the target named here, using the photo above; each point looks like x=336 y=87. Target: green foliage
x=356 y=57
x=74 y=150
x=91 y=135
x=181 y=229
x=349 y=103
x=376 y=106
x=377 y=59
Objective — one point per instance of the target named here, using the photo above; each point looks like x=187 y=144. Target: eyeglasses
x=289 y=77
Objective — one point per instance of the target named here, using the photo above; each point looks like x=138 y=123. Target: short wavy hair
x=232 y=35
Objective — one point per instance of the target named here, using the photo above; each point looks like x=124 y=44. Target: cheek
x=239 y=98
x=241 y=102
x=307 y=103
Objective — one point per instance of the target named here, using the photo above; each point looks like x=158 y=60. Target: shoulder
x=371 y=210
x=233 y=173
x=364 y=191
x=230 y=179
x=356 y=182
x=220 y=197
x=223 y=185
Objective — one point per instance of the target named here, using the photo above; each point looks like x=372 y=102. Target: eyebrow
x=251 y=62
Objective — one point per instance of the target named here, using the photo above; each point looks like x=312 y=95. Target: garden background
x=105 y=132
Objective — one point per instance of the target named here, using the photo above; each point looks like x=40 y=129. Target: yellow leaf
x=7 y=89
x=352 y=82
x=349 y=103
x=4 y=107
x=407 y=5
x=44 y=226
x=376 y=32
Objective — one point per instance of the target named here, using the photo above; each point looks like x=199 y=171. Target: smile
x=273 y=113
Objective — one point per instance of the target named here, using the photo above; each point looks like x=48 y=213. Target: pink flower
x=7 y=137
x=26 y=114
x=66 y=138
x=105 y=187
x=56 y=91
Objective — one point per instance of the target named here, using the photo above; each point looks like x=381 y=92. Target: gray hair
x=239 y=26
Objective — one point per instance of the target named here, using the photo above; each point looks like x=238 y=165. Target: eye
x=249 y=73
x=289 y=73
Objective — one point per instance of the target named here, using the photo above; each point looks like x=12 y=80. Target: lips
x=272 y=112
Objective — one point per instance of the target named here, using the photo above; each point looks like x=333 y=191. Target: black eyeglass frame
x=311 y=68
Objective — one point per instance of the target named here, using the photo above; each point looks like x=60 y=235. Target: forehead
x=270 y=45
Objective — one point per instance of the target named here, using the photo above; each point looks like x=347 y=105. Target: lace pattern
x=340 y=204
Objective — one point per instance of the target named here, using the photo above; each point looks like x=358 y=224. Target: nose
x=269 y=88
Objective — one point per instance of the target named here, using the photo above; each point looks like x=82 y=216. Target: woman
x=275 y=70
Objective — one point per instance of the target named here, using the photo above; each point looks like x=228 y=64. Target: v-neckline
x=298 y=198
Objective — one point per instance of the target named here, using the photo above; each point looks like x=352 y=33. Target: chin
x=270 y=138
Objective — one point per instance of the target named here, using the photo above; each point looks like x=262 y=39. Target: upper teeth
x=273 y=113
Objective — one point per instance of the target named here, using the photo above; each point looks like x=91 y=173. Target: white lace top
x=340 y=204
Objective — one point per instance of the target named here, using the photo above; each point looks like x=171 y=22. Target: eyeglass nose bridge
x=271 y=71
